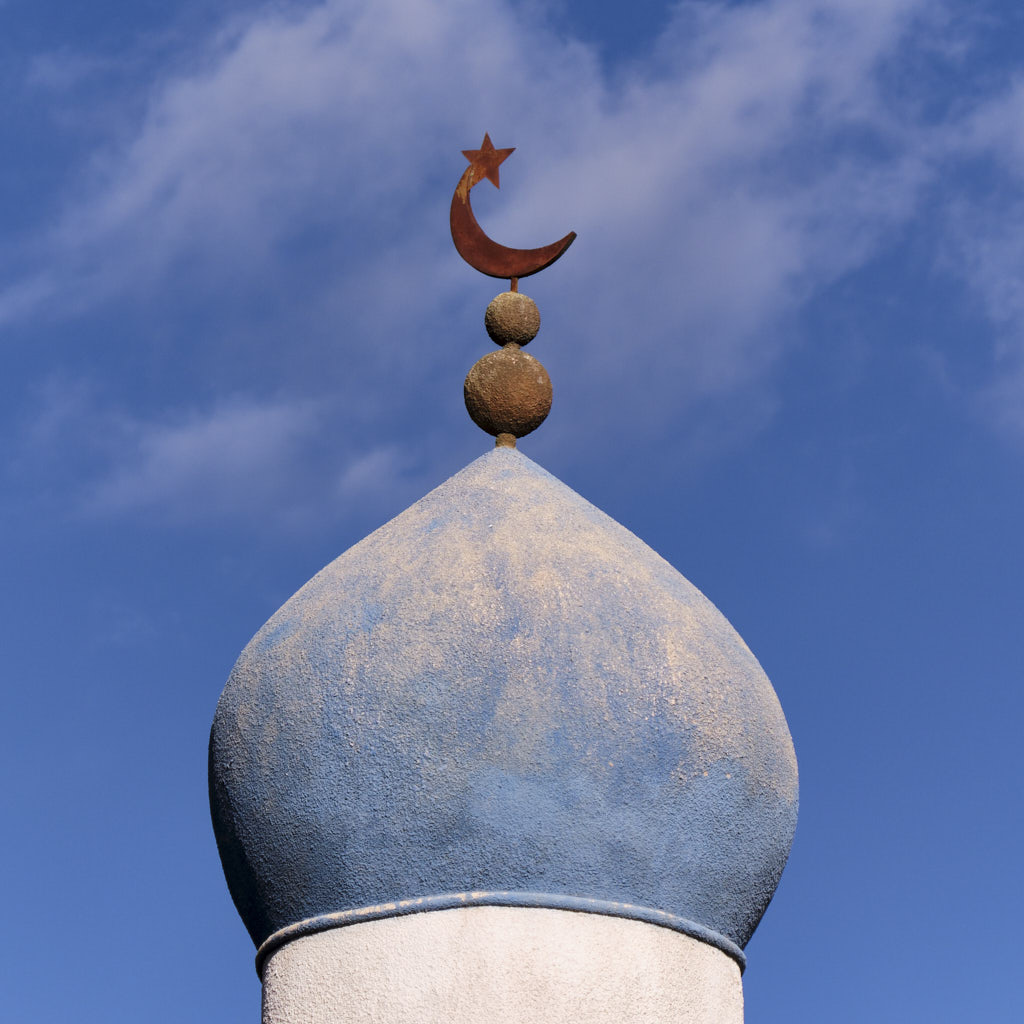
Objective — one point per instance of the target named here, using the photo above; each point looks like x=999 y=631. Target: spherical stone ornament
x=512 y=318
x=508 y=392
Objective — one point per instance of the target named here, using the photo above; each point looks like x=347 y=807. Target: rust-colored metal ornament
x=472 y=242
x=508 y=392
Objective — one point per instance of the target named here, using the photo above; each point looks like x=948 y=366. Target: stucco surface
x=501 y=690
x=500 y=965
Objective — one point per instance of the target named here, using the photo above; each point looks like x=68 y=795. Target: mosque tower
x=499 y=762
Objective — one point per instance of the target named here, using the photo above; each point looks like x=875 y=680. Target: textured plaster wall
x=501 y=965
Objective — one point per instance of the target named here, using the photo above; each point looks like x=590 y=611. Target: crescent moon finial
x=508 y=392
x=472 y=242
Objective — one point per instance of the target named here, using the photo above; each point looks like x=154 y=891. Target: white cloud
x=369 y=473
x=337 y=113
x=242 y=461
x=756 y=158
x=983 y=241
x=232 y=461
x=25 y=297
x=63 y=70
x=987 y=249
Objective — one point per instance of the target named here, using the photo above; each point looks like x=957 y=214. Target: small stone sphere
x=508 y=392
x=512 y=318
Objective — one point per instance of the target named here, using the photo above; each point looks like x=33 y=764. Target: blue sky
x=787 y=351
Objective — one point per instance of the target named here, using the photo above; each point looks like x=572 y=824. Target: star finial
x=486 y=160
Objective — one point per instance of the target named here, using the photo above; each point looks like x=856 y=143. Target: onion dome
x=501 y=697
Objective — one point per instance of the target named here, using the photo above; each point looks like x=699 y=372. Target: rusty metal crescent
x=488 y=256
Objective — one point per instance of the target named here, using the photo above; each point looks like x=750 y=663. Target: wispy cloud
x=242 y=461
x=64 y=70
x=983 y=241
x=761 y=153
x=681 y=175
x=235 y=456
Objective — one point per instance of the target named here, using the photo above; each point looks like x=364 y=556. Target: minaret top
x=508 y=393
x=501 y=699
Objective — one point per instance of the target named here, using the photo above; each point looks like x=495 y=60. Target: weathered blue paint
x=502 y=691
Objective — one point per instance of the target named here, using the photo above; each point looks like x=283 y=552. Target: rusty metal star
x=486 y=160
x=471 y=241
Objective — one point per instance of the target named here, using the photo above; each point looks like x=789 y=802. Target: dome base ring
x=449 y=901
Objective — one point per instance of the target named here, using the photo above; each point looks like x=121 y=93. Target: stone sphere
x=508 y=392
x=512 y=318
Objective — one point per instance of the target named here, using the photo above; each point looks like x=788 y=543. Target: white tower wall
x=501 y=965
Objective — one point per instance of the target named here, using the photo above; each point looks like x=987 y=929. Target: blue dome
x=501 y=696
